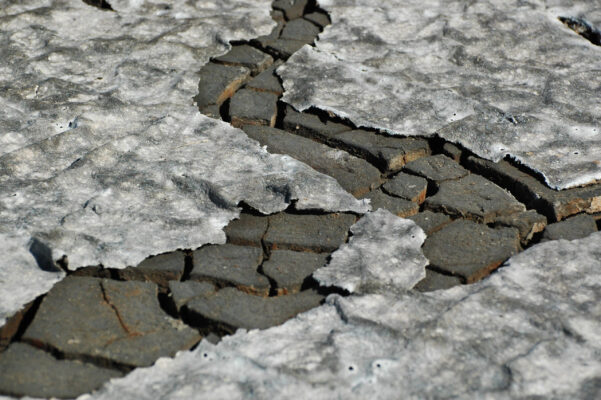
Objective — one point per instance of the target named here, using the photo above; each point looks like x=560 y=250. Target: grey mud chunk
x=263 y=41
x=576 y=227
x=556 y=205
x=316 y=233
x=527 y=223
x=267 y=81
x=452 y=151
x=430 y=221
x=388 y=152
x=233 y=309
x=159 y=269
x=410 y=187
x=27 y=371
x=249 y=107
x=289 y=269
x=309 y=125
x=474 y=197
x=246 y=56
x=231 y=264
x=121 y=322
x=284 y=48
x=400 y=207
x=247 y=230
x=212 y=111
x=318 y=18
x=436 y=281
x=470 y=250
x=183 y=292
x=218 y=83
x=291 y=8
x=300 y=29
x=436 y=168
x=355 y=175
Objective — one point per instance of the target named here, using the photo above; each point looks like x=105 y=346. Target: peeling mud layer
x=103 y=157
x=501 y=78
x=531 y=330
x=446 y=289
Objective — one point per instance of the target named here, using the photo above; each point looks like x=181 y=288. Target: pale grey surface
x=499 y=77
x=532 y=329
x=21 y=279
x=103 y=156
x=384 y=251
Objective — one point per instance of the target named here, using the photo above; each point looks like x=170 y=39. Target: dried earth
x=150 y=249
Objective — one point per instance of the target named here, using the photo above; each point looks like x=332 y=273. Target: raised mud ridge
x=100 y=323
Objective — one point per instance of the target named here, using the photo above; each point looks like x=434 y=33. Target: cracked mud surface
x=359 y=281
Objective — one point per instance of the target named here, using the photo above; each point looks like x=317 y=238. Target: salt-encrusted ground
x=499 y=77
x=132 y=170
x=104 y=157
x=532 y=329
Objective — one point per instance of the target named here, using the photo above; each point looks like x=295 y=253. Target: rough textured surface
x=300 y=29
x=159 y=269
x=291 y=8
x=218 y=83
x=231 y=264
x=49 y=377
x=529 y=331
x=290 y=269
x=246 y=56
x=475 y=198
x=109 y=320
x=388 y=153
x=104 y=157
x=318 y=18
x=311 y=126
x=436 y=168
x=237 y=309
x=21 y=277
x=384 y=252
x=407 y=186
x=496 y=77
x=267 y=81
x=436 y=281
x=254 y=108
x=429 y=221
x=556 y=205
x=470 y=250
x=319 y=233
x=357 y=176
x=528 y=223
x=397 y=206
x=183 y=292
x=572 y=228
x=247 y=230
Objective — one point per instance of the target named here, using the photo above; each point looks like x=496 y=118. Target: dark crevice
x=188 y=265
x=273 y=286
x=205 y=326
x=117 y=314
x=281 y=111
x=224 y=111
x=583 y=28
x=325 y=116
x=29 y=312
x=102 y=4
x=167 y=304
x=311 y=284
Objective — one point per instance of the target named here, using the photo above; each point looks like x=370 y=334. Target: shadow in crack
x=583 y=28
x=102 y=4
